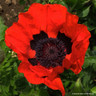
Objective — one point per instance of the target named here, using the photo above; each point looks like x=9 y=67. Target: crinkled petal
x=39 y=70
x=77 y=66
x=18 y=40
x=71 y=19
x=66 y=62
x=55 y=84
x=55 y=71
x=34 y=78
x=29 y=74
x=51 y=19
x=44 y=72
x=80 y=39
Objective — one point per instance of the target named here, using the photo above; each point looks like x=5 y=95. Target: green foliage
x=93 y=90
x=12 y=83
x=85 y=12
x=51 y=1
x=2 y=29
x=22 y=2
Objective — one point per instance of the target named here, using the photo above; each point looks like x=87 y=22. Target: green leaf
x=15 y=92
x=94 y=67
x=93 y=90
x=72 y=86
x=22 y=2
x=78 y=87
x=12 y=82
x=26 y=8
x=2 y=55
x=71 y=2
x=85 y=12
x=2 y=29
x=5 y=88
x=1 y=20
x=94 y=2
x=89 y=61
x=66 y=83
x=51 y=1
x=86 y=80
x=90 y=27
x=43 y=92
x=63 y=3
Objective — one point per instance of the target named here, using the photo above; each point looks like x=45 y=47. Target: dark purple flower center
x=50 y=52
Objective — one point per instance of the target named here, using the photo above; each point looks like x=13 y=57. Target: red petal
x=81 y=43
x=80 y=38
x=39 y=70
x=77 y=66
x=34 y=78
x=29 y=74
x=29 y=24
x=51 y=19
x=50 y=73
x=56 y=17
x=31 y=53
x=17 y=39
x=42 y=71
x=66 y=63
x=71 y=19
x=52 y=34
x=69 y=28
x=23 y=67
x=55 y=71
x=58 y=69
x=55 y=84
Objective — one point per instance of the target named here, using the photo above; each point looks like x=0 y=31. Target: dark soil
x=9 y=10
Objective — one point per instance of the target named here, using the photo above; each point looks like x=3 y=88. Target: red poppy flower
x=48 y=39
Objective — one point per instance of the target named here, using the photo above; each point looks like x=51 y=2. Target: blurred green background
x=13 y=83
